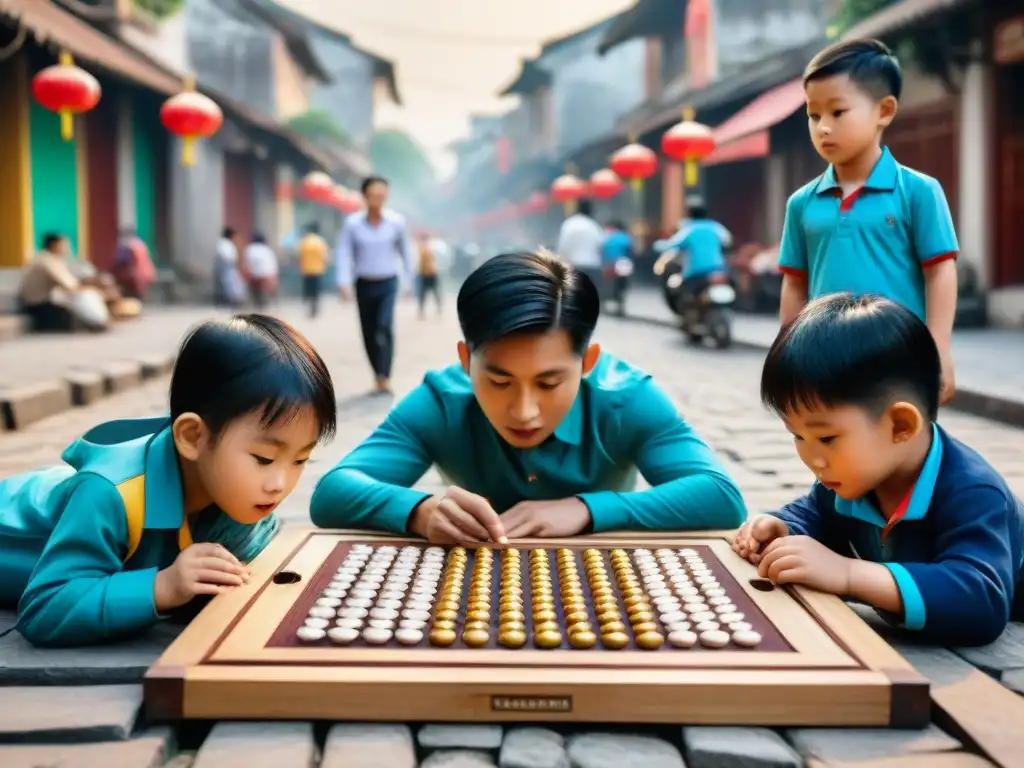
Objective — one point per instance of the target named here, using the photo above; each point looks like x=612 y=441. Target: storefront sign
x=1008 y=41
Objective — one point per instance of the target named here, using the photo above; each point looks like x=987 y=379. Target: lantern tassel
x=188 y=152
x=637 y=184
x=67 y=124
x=691 y=173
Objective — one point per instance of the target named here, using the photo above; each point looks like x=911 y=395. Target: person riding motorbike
x=701 y=243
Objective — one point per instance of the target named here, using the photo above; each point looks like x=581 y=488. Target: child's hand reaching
x=802 y=560
x=201 y=569
x=756 y=534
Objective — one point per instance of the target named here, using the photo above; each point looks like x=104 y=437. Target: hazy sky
x=452 y=56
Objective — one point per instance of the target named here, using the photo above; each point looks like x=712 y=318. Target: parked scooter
x=708 y=313
x=618 y=278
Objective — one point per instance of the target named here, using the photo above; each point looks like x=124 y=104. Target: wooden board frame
x=841 y=672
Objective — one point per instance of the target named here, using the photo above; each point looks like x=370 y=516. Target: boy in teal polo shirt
x=539 y=432
x=868 y=224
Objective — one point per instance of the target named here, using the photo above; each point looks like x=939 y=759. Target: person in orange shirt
x=313 y=256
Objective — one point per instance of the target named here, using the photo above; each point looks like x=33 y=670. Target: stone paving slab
x=369 y=745
x=59 y=715
x=709 y=747
x=259 y=745
x=148 y=750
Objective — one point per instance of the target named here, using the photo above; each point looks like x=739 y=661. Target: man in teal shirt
x=539 y=433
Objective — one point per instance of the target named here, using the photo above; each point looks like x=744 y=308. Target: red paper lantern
x=634 y=162
x=318 y=187
x=67 y=90
x=536 y=203
x=689 y=142
x=567 y=189
x=191 y=116
x=605 y=184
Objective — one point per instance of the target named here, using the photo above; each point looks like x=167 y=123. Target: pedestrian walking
x=375 y=254
x=261 y=267
x=313 y=256
x=429 y=279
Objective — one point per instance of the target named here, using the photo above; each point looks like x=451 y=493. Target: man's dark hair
x=51 y=240
x=369 y=181
x=586 y=207
x=228 y=233
x=616 y=224
x=527 y=292
x=229 y=368
x=869 y=64
x=840 y=350
x=313 y=228
x=696 y=207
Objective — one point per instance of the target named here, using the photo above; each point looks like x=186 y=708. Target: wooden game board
x=815 y=662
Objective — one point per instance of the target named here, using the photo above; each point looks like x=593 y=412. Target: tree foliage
x=160 y=9
x=853 y=11
x=396 y=156
x=318 y=126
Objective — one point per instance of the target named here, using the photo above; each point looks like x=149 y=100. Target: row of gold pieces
x=546 y=632
x=446 y=612
x=511 y=619
x=476 y=632
x=639 y=610
x=574 y=604
x=606 y=601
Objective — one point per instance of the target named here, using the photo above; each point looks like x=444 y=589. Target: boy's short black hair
x=869 y=64
x=527 y=292
x=841 y=350
x=585 y=207
x=229 y=368
x=369 y=181
x=51 y=240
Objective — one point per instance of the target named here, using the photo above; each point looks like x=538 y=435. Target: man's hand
x=757 y=533
x=948 y=375
x=458 y=517
x=346 y=292
x=201 y=569
x=546 y=519
x=802 y=560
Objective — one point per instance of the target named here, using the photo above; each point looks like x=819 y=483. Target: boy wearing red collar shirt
x=903 y=516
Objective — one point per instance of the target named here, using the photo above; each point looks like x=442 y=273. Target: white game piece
x=412 y=624
x=333 y=591
x=343 y=635
x=392 y=594
x=392 y=604
x=358 y=602
x=317 y=623
x=687 y=551
x=731 y=618
x=372 y=578
x=418 y=605
x=713 y=592
x=322 y=612
x=679 y=626
x=382 y=623
x=695 y=606
x=328 y=602
x=707 y=626
x=714 y=638
x=706 y=581
x=722 y=600
x=659 y=592
x=409 y=613
x=383 y=613
x=741 y=626
x=352 y=612
x=376 y=636
x=702 y=615
x=310 y=634
x=351 y=623
x=682 y=638
x=378 y=569
x=687 y=592
x=361 y=594
x=672 y=617
x=667 y=603
x=408 y=636
x=746 y=638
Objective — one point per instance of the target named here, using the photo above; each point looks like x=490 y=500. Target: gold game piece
x=512 y=638
x=448 y=605
x=443 y=624
x=446 y=615
x=478 y=615
x=650 y=641
x=606 y=616
x=583 y=626
x=613 y=626
x=644 y=626
x=583 y=639
x=476 y=637
x=545 y=626
x=602 y=592
x=614 y=640
x=544 y=614
x=442 y=637
x=641 y=616
x=547 y=639
x=576 y=617
x=511 y=616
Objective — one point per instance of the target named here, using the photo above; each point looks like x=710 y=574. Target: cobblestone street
x=47 y=701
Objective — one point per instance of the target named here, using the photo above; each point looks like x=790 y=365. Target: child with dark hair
x=902 y=516
x=146 y=514
x=868 y=225
x=539 y=432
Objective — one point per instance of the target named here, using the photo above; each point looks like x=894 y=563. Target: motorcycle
x=617 y=278
x=708 y=313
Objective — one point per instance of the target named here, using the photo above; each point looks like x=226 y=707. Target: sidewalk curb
x=25 y=405
x=993 y=407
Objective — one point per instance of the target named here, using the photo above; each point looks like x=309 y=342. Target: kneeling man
x=539 y=432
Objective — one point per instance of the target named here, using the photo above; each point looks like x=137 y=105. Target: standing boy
x=868 y=224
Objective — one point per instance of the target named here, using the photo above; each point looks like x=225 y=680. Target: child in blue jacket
x=146 y=514
x=903 y=516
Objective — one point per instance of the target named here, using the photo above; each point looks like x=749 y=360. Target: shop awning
x=768 y=109
x=750 y=147
x=51 y=25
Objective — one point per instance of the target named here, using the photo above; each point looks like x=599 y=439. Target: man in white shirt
x=580 y=240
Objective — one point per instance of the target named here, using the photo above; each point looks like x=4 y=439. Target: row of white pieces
x=355 y=565
x=357 y=622
x=713 y=638
x=423 y=582
x=372 y=635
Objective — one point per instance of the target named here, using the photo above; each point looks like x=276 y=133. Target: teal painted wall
x=54 y=177
x=146 y=155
